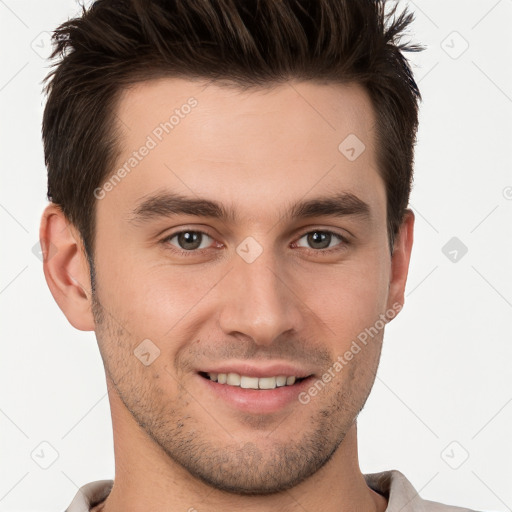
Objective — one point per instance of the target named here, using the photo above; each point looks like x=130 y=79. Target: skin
x=179 y=445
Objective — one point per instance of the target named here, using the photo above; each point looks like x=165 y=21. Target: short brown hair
x=249 y=43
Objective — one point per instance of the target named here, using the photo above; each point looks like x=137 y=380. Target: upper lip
x=261 y=370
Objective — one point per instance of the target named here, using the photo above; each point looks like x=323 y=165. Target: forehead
x=292 y=110
x=277 y=143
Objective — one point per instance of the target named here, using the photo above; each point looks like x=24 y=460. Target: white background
x=444 y=388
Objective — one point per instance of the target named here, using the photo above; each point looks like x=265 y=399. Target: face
x=243 y=245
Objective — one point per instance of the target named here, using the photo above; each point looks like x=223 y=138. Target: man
x=229 y=184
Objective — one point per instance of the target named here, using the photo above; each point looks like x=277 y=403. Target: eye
x=189 y=240
x=321 y=239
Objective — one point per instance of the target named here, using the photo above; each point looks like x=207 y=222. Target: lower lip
x=257 y=401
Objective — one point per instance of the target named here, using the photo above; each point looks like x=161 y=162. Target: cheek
x=349 y=300
x=152 y=301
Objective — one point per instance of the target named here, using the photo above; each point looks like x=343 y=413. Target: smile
x=246 y=382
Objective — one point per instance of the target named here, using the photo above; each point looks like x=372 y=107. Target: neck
x=147 y=479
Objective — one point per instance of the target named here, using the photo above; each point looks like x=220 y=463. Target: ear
x=66 y=268
x=400 y=261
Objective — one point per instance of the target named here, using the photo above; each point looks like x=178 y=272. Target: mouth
x=268 y=388
x=248 y=382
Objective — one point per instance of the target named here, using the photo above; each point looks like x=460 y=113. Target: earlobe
x=66 y=268
x=400 y=261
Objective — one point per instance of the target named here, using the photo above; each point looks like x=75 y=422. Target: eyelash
x=322 y=252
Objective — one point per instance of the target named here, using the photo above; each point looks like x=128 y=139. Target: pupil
x=189 y=240
x=319 y=240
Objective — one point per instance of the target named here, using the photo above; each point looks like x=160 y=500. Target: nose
x=259 y=301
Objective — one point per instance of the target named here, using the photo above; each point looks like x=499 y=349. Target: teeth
x=267 y=382
x=249 y=382
x=243 y=381
x=234 y=379
x=280 y=381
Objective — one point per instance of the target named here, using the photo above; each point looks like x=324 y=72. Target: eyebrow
x=168 y=204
